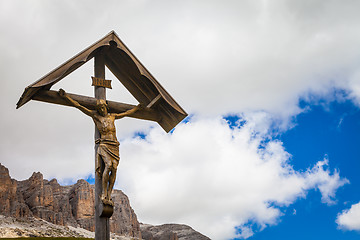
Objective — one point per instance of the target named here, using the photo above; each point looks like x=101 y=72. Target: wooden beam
x=51 y=96
x=102 y=225
x=154 y=101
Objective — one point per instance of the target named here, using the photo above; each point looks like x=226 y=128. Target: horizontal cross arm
x=51 y=96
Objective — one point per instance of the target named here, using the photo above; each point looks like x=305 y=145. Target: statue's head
x=102 y=107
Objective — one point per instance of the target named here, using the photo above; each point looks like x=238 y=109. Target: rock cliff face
x=63 y=205
x=170 y=232
x=27 y=202
x=11 y=200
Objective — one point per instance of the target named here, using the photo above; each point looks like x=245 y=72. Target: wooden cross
x=109 y=52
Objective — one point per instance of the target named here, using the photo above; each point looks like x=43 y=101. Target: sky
x=272 y=88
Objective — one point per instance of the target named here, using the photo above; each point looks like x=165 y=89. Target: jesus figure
x=108 y=150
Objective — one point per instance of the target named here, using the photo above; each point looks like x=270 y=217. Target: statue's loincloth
x=109 y=151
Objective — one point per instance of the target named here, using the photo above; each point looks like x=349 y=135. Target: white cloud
x=215 y=178
x=349 y=219
x=327 y=184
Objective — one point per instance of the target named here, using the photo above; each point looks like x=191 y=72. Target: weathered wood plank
x=154 y=101
x=127 y=81
x=102 y=231
x=51 y=96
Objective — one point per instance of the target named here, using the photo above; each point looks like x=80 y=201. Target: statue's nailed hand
x=62 y=93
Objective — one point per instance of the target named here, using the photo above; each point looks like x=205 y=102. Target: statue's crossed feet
x=106 y=209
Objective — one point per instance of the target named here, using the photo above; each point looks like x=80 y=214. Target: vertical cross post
x=102 y=228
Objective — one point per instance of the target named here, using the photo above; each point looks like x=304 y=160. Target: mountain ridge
x=73 y=206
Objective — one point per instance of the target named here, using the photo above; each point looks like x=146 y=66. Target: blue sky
x=328 y=130
x=284 y=164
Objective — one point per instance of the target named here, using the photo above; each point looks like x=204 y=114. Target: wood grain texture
x=51 y=96
x=102 y=228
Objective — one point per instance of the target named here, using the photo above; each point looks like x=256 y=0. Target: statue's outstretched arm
x=128 y=112
x=74 y=103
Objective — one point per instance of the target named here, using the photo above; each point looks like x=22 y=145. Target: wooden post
x=102 y=227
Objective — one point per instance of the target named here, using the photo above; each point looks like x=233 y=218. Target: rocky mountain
x=170 y=232
x=62 y=205
x=37 y=199
x=33 y=227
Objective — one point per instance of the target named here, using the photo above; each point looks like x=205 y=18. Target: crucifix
x=155 y=104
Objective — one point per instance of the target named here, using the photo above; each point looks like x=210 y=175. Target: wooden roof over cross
x=161 y=107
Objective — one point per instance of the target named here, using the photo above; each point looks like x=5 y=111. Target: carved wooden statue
x=108 y=150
